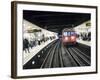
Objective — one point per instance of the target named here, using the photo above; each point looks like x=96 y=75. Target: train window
x=66 y=33
x=72 y=33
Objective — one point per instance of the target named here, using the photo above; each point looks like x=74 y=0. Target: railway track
x=82 y=56
x=68 y=58
x=60 y=56
x=57 y=55
x=48 y=60
x=54 y=57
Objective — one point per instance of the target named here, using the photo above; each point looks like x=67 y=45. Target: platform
x=88 y=43
x=27 y=56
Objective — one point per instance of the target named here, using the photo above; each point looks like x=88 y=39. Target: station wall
x=28 y=26
x=84 y=27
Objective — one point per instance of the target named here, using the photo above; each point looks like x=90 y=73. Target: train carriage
x=69 y=36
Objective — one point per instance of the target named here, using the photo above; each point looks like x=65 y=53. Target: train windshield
x=72 y=33
x=68 y=33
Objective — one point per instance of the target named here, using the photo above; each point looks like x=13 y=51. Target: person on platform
x=26 y=45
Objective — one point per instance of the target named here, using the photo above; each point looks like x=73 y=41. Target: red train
x=69 y=36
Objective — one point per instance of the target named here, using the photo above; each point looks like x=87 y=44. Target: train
x=69 y=36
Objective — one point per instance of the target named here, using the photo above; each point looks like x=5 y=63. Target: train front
x=69 y=37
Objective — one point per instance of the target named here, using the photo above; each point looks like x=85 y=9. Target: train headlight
x=72 y=37
x=66 y=38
